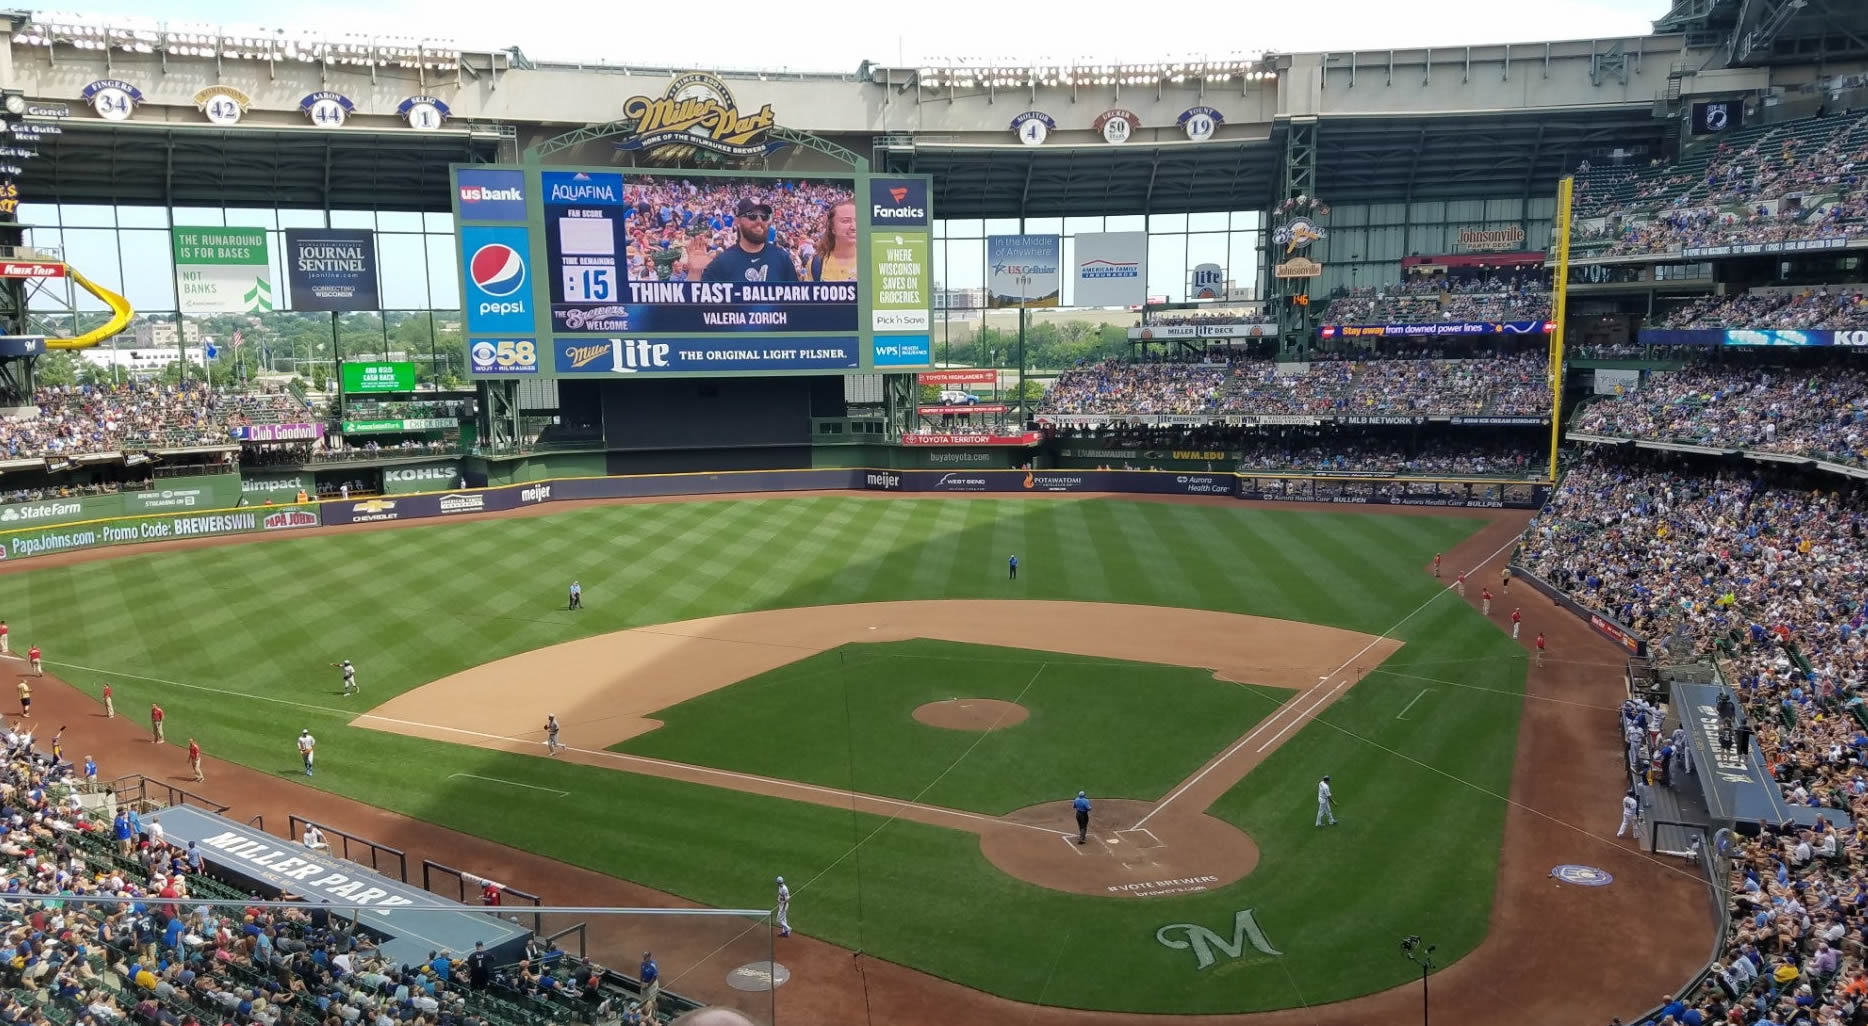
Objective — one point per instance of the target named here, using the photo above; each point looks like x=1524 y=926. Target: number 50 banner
x=1022 y=270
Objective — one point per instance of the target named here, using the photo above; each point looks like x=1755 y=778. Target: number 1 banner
x=331 y=269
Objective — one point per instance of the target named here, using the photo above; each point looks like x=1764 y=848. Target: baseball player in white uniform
x=552 y=747
x=1323 y=802
x=1631 y=811
x=306 y=743
x=350 y=676
x=784 y=908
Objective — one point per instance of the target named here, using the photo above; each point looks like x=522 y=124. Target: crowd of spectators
x=1507 y=385
x=677 y=226
x=1843 y=307
x=77 y=419
x=1518 y=296
x=1377 y=456
x=1820 y=412
x=1671 y=232
x=1766 y=579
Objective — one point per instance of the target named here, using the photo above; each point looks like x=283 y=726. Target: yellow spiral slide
x=120 y=314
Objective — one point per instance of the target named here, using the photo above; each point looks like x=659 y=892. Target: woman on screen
x=836 y=251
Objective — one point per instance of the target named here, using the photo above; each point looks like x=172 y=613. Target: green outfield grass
x=235 y=642
x=1117 y=729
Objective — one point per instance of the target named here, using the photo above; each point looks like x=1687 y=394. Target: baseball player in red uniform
x=32 y=656
x=155 y=721
x=1516 y=616
x=1436 y=564
x=110 y=704
x=1485 y=601
x=1540 y=648
x=194 y=758
x=1459 y=584
x=6 y=644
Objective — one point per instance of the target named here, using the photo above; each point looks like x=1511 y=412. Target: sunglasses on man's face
x=756 y=215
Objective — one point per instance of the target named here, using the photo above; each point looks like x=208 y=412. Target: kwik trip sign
x=697 y=112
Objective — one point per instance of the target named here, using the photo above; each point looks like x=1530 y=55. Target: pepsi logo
x=497 y=269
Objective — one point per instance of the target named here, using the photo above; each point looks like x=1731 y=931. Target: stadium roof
x=1373 y=159
x=1775 y=31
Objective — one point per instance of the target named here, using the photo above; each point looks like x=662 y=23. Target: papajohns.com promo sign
x=221 y=270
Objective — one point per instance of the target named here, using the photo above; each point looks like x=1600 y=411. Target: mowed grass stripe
x=721 y=848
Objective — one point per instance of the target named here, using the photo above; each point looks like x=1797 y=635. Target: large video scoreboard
x=590 y=272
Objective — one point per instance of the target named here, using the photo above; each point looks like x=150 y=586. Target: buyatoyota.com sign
x=331 y=268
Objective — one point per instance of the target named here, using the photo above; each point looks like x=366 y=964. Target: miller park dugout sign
x=697 y=112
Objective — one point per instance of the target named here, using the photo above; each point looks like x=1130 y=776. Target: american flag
x=237 y=339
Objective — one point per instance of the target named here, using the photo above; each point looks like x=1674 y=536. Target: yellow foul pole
x=1559 y=296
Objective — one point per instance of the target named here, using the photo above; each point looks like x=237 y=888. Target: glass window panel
x=93 y=251
x=148 y=269
x=275 y=261
x=1125 y=223
x=199 y=217
x=1002 y=226
x=1167 y=267
x=1044 y=225
x=404 y=257
x=252 y=217
x=444 y=282
x=39 y=213
x=1209 y=222
x=398 y=221
x=1246 y=219
x=301 y=218
x=966 y=228
x=87 y=215
x=1208 y=248
x=1167 y=222
x=353 y=219
x=46 y=300
x=48 y=237
x=442 y=222
x=966 y=273
x=1067 y=274
x=142 y=217
x=1242 y=260
x=1082 y=225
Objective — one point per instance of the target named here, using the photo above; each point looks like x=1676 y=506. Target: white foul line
x=1402 y=715
x=513 y=783
x=1378 y=639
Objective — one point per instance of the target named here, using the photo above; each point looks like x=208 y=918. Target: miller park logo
x=697 y=112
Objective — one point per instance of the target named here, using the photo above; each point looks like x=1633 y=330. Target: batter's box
x=1141 y=837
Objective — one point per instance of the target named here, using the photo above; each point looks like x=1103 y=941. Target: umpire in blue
x=1082 y=805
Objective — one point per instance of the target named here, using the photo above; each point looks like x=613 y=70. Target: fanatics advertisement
x=331 y=269
x=580 y=356
x=701 y=254
x=1437 y=328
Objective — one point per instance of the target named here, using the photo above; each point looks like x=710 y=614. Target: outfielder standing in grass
x=1323 y=802
x=350 y=676
x=577 y=595
x=306 y=745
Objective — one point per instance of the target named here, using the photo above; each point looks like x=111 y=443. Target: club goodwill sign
x=332 y=269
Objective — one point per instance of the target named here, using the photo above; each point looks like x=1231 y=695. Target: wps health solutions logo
x=697 y=112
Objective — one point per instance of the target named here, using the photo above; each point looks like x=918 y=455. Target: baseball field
x=850 y=692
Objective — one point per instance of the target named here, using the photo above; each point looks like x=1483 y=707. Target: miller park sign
x=697 y=112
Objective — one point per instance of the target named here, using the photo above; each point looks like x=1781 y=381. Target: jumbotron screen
x=590 y=272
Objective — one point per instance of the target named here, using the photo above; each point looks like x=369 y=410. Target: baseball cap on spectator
x=750 y=206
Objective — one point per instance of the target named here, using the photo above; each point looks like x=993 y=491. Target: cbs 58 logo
x=507 y=356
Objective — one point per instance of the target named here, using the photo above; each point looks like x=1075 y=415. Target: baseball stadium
x=1302 y=537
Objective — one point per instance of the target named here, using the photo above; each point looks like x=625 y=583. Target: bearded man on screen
x=754 y=259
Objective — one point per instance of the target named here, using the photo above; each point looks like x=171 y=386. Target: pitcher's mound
x=980 y=714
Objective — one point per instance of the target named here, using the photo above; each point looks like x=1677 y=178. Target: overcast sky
x=748 y=34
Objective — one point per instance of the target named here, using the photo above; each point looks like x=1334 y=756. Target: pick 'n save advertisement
x=900 y=281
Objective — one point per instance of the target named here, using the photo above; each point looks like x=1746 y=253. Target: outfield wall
x=1634 y=643
x=21 y=542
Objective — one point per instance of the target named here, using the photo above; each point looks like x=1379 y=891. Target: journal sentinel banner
x=1022 y=270
x=1111 y=269
x=332 y=269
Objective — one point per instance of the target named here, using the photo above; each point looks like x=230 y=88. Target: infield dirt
x=1553 y=954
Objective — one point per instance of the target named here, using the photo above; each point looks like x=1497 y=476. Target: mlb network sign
x=898 y=202
x=491 y=195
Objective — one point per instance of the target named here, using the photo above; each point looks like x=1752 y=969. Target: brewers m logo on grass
x=697 y=112
x=223 y=105
x=1203 y=941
